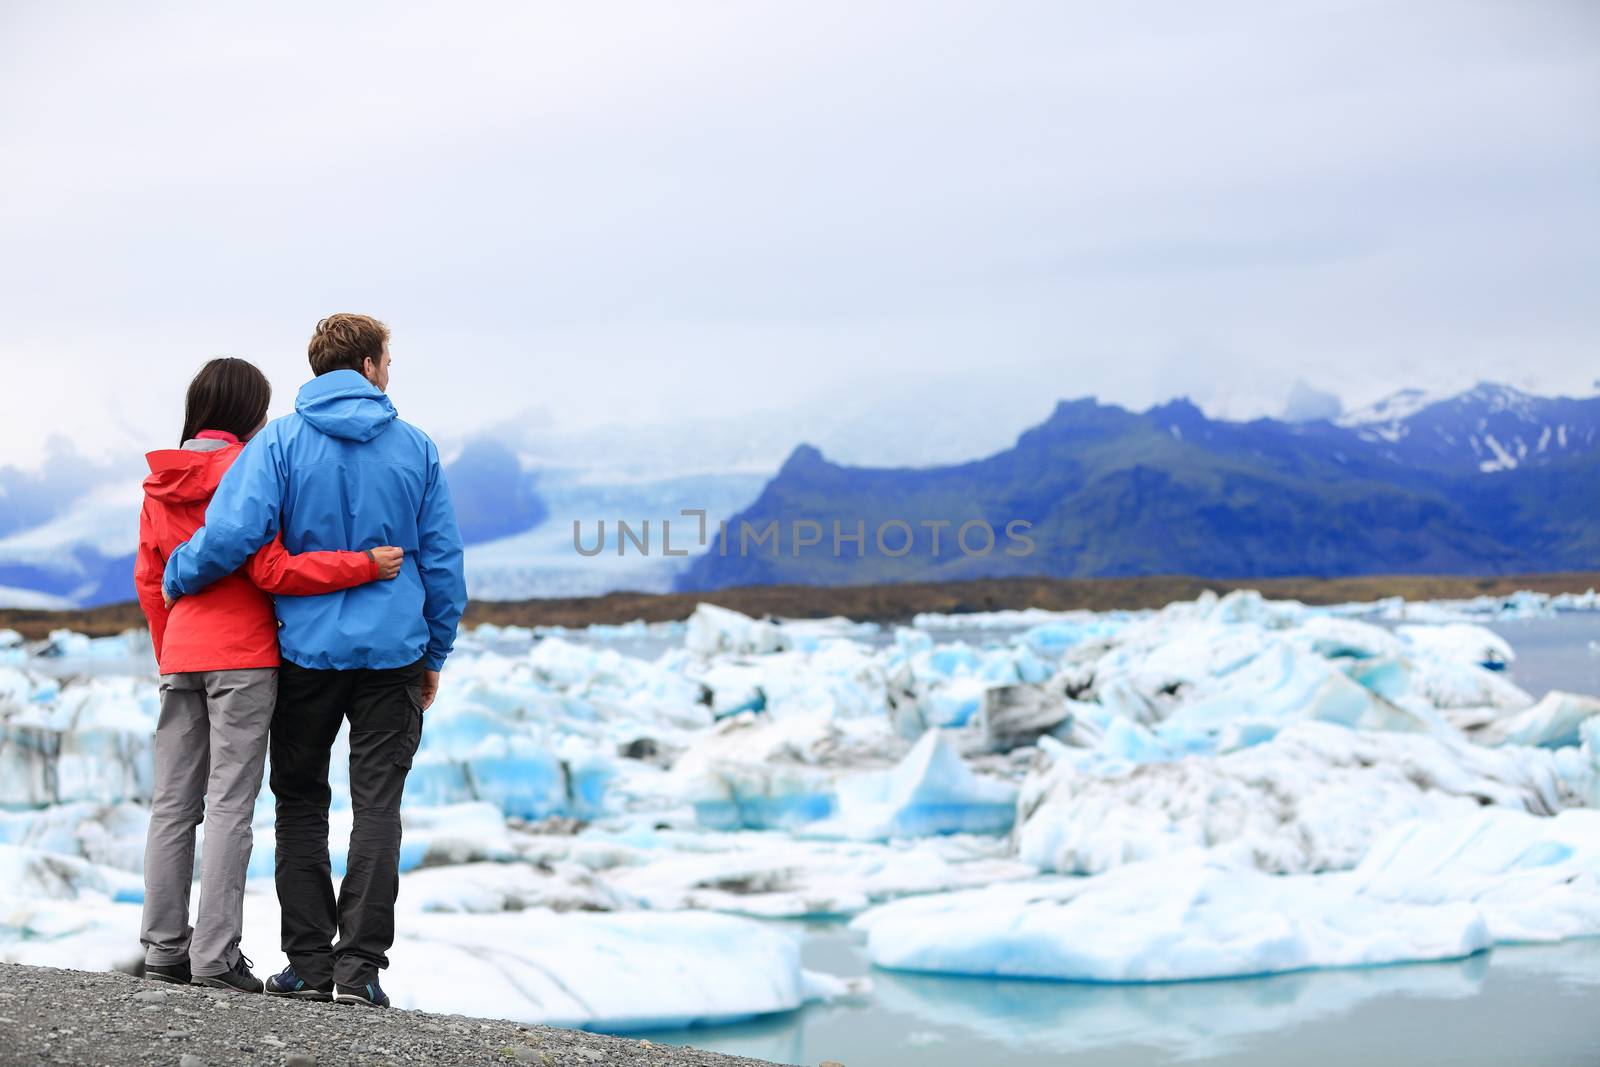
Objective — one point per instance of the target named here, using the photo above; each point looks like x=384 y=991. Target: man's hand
x=389 y=559
x=430 y=688
x=167 y=599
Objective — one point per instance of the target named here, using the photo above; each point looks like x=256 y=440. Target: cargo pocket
x=408 y=740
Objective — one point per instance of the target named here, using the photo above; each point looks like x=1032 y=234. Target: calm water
x=1517 y=1006
x=1531 y=1006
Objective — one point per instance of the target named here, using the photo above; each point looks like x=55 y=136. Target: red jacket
x=229 y=624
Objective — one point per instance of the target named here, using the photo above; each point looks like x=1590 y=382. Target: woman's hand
x=389 y=559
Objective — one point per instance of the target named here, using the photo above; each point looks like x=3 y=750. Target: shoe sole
x=217 y=983
x=302 y=994
x=169 y=979
x=344 y=998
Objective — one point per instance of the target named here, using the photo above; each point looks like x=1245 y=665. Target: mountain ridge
x=1108 y=492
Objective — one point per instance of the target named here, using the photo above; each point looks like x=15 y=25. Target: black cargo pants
x=385 y=712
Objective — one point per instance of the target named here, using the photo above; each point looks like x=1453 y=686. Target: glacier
x=1223 y=787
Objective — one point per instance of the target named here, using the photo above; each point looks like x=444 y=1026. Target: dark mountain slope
x=1107 y=492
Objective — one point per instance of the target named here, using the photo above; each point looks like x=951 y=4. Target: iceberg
x=1532 y=879
x=1428 y=889
x=616 y=972
x=1554 y=722
x=774 y=876
x=29 y=872
x=714 y=631
x=930 y=791
x=1461 y=642
x=90 y=740
x=758 y=773
x=1179 y=918
x=1223 y=787
x=1312 y=799
x=803 y=773
x=509 y=886
x=106 y=835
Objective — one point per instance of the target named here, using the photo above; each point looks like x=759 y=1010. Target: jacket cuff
x=434 y=661
x=372 y=565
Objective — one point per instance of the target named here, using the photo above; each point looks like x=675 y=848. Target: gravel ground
x=114 y=1020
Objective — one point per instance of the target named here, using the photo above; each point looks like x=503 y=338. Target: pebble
x=111 y=1024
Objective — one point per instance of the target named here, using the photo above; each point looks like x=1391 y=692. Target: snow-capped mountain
x=1493 y=481
x=1491 y=471
x=1490 y=428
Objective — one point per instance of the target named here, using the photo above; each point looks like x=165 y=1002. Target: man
x=342 y=472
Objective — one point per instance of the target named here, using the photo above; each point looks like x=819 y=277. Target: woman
x=218 y=655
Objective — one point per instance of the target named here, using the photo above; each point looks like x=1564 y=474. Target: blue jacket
x=341 y=472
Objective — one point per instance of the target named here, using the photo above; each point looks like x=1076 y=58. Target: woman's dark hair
x=228 y=394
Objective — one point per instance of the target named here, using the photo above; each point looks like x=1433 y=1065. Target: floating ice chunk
x=105 y=835
x=760 y=773
x=68 y=643
x=954 y=703
x=775 y=876
x=930 y=791
x=932 y=685
x=1533 y=879
x=1207 y=1021
x=87 y=933
x=21 y=687
x=618 y=972
x=1249 y=606
x=1016 y=715
x=837 y=678
x=733 y=687
x=1461 y=643
x=485 y=888
x=518 y=775
x=621 y=972
x=1448 y=684
x=1278 y=686
x=1554 y=722
x=791 y=772
x=33 y=873
x=714 y=631
x=1312 y=799
x=88 y=741
x=1332 y=637
x=1174 y=919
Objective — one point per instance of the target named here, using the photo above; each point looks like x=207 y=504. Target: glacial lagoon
x=557 y=836
x=1528 y=1005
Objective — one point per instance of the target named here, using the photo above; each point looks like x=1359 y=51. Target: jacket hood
x=343 y=404
x=179 y=476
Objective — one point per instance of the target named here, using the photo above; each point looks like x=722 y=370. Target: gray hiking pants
x=211 y=743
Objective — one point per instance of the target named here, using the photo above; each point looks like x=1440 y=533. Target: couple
x=340 y=512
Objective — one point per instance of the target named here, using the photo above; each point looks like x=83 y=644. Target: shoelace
x=245 y=964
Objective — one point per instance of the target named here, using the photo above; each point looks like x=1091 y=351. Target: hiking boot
x=237 y=977
x=288 y=984
x=370 y=994
x=176 y=973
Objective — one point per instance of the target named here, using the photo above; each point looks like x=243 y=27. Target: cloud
x=1307 y=403
x=677 y=211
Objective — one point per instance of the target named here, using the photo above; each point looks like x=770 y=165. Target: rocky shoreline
x=900 y=602
x=115 y=1020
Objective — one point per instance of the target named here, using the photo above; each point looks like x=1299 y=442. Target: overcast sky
x=634 y=212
